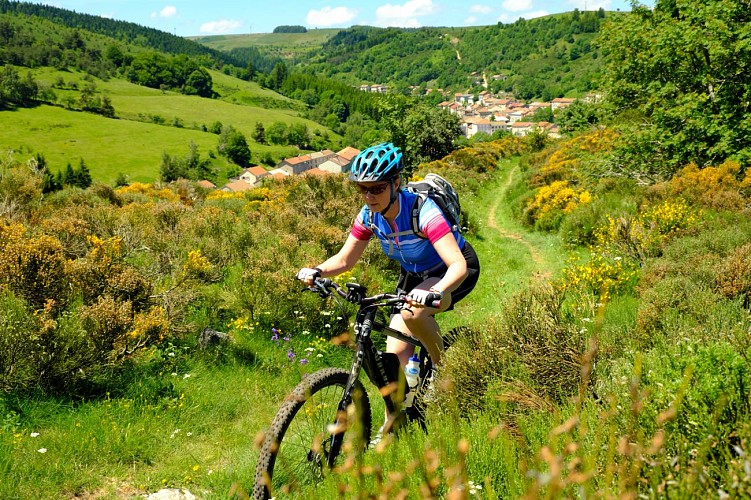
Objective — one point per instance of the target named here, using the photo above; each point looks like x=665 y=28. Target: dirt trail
x=504 y=233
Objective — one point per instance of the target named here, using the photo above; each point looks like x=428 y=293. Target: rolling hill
x=553 y=56
x=70 y=64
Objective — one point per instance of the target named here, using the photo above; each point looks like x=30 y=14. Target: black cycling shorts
x=408 y=280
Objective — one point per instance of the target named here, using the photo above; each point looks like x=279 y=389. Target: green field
x=313 y=38
x=133 y=144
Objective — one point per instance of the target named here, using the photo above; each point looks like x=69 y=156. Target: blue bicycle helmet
x=377 y=163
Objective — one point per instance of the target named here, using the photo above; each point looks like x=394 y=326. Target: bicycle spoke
x=303 y=429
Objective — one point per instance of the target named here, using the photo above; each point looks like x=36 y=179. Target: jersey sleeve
x=433 y=223
x=359 y=229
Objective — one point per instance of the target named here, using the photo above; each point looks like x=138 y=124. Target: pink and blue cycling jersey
x=399 y=242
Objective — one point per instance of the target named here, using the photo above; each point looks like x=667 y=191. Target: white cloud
x=168 y=11
x=481 y=9
x=517 y=5
x=330 y=16
x=405 y=15
x=470 y=20
x=220 y=27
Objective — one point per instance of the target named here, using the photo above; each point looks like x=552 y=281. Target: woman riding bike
x=440 y=261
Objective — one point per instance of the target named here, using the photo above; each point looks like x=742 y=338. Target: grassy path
x=504 y=232
x=511 y=255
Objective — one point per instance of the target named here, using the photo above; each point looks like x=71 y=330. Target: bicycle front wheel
x=307 y=433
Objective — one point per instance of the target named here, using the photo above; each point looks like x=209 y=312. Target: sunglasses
x=374 y=190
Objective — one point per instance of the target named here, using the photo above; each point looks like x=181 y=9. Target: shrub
x=20 y=187
x=32 y=266
x=107 y=321
x=719 y=187
x=547 y=340
x=533 y=356
x=645 y=234
x=551 y=202
x=733 y=277
x=18 y=347
x=578 y=227
x=602 y=276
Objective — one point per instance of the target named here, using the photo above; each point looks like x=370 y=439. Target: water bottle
x=412 y=373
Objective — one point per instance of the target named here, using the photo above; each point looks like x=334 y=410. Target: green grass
x=511 y=255
x=313 y=38
x=108 y=147
x=190 y=419
x=132 y=144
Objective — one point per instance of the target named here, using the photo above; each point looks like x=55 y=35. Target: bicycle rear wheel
x=306 y=434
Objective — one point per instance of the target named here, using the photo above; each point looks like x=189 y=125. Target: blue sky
x=202 y=17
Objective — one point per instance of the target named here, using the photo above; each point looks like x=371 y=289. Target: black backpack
x=441 y=191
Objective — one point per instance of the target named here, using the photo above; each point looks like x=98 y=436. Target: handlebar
x=355 y=293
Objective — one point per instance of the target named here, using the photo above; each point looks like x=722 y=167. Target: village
x=483 y=113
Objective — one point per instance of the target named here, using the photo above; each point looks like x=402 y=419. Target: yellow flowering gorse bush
x=196 y=265
x=149 y=190
x=602 y=276
x=568 y=158
x=552 y=200
x=721 y=187
x=643 y=235
x=31 y=265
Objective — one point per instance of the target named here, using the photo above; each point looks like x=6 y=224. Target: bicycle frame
x=369 y=358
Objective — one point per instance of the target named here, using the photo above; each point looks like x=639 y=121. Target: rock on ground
x=172 y=494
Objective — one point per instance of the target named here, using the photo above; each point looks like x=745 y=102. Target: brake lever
x=322 y=292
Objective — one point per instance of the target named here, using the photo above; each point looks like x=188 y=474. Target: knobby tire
x=297 y=447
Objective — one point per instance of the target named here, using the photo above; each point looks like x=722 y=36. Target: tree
x=234 y=146
x=259 y=134
x=579 y=115
x=542 y=114
x=69 y=176
x=50 y=183
x=277 y=133
x=82 y=176
x=14 y=90
x=121 y=180
x=170 y=169
x=299 y=135
x=216 y=127
x=115 y=55
x=277 y=75
x=430 y=134
x=199 y=83
x=393 y=110
x=686 y=66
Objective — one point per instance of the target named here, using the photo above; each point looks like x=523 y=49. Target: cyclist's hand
x=307 y=275
x=421 y=298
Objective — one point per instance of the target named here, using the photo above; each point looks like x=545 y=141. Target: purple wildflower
x=304 y=361
x=291 y=355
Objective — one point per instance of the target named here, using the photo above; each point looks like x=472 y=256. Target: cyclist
x=441 y=262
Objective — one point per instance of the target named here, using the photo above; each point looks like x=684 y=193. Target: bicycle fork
x=363 y=325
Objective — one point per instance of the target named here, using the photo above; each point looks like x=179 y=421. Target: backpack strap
x=369 y=219
x=416 y=207
x=390 y=237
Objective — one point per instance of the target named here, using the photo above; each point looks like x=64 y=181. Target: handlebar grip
x=324 y=282
x=434 y=300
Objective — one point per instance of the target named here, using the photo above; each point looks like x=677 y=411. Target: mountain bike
x=307 y=435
